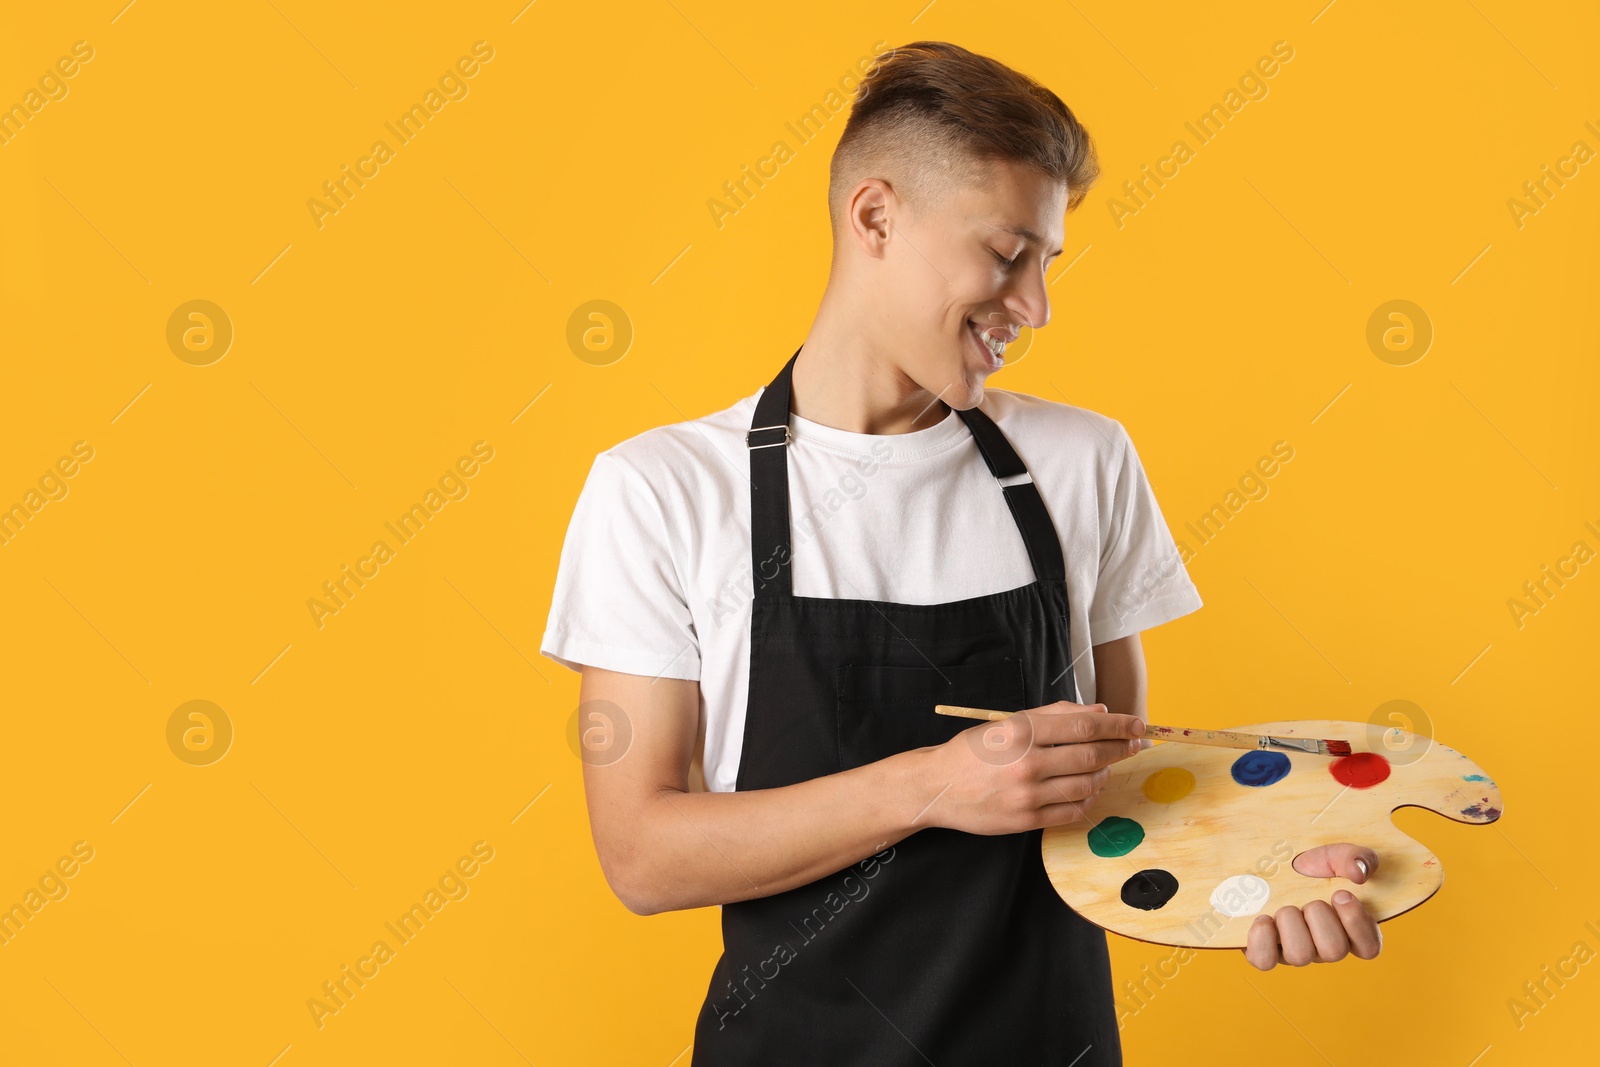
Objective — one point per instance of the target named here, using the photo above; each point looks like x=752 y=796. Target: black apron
x=948 y=947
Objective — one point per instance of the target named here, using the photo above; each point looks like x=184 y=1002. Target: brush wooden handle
x=1218 y=738
x=972 y=713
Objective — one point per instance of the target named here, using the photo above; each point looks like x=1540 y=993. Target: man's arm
x=664 y=847
x=1119 y=677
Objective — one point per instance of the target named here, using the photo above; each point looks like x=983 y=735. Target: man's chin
x=959 y=387
x=968 y=391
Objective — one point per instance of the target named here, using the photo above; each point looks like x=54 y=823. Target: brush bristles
x=1336 y=748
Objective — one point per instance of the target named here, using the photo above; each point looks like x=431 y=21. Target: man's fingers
x=1327 y=931
x=1318 y=933
x=1357 y=863
x=1294 y=938
x=1261 y=944
x=1076 y=725
x=1365 y=862
x=1360 y=928
x=1063 y=787
x=1085 y=758
x=1073 y=811
x=1080 y=789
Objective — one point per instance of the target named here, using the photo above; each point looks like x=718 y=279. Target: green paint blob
x=1115 y=836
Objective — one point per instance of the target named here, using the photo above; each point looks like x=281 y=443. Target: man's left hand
x=1321 y=932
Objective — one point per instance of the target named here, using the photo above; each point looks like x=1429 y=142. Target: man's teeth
x=997 y=347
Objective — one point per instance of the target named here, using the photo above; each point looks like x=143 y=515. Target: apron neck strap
x=768 y=444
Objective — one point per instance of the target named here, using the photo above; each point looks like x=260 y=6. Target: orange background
x=430 y=312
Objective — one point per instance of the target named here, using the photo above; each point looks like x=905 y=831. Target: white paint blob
x=1243 y=894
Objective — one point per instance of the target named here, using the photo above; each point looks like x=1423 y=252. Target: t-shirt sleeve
x=618 y=602
x=1143 y=582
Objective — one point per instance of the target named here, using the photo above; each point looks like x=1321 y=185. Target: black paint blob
x=1149 y=889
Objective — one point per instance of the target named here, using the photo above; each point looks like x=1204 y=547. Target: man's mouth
x=990 y=343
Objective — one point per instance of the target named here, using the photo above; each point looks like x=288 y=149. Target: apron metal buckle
x=768 y=444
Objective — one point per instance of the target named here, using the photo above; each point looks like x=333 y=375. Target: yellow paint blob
x=1169 y=784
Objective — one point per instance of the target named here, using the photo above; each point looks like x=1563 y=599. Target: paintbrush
x=1219 y=738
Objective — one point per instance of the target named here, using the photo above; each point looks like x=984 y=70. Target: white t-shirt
x=655 y=572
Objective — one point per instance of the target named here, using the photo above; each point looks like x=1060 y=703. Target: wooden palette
x=1177 y=850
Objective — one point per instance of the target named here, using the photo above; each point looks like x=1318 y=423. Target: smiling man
x=905 y=537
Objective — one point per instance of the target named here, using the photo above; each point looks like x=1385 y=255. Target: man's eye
x=1003 y=259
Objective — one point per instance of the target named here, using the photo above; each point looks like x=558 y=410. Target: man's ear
x=869 y=216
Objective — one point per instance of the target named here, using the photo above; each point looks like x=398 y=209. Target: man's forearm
x=691 y=850
x=1121 y=677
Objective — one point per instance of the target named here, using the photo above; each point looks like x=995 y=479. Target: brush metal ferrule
x=1297 y=744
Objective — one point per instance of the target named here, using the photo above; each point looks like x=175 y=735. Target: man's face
x=959 y=269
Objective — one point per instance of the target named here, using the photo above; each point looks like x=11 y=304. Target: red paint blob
x=1360 y=770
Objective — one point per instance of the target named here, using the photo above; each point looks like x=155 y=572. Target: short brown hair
x=933 y=115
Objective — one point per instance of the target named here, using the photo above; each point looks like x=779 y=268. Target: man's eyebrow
x=1023 y=231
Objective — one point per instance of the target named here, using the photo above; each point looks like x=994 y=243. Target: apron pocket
x=883 y=710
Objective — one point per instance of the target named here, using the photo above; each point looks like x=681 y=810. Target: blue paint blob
x=1260 y=768
x=1473 y=778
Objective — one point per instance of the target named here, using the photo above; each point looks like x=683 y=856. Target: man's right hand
x=1040 y=767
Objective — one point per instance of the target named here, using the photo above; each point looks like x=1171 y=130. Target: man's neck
x=845 y=380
